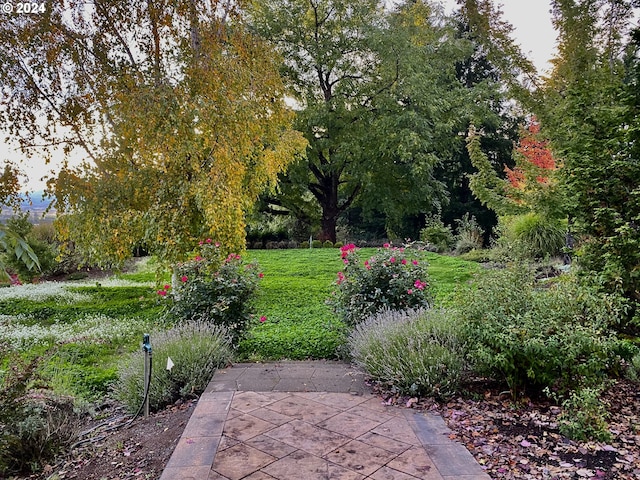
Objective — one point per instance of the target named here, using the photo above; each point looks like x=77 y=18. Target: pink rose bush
x=393 y=278
x=214 y=288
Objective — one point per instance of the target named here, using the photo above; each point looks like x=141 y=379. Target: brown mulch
x=521 y=440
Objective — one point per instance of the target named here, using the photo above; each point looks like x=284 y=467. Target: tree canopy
x=375 y=103
x=589 y=109
x=178 y=109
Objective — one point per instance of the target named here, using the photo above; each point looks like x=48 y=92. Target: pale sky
x=531 y=20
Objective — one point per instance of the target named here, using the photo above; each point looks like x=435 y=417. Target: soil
x=510 y=440
x=111 y=448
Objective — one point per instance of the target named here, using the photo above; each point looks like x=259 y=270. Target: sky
x=533 y=31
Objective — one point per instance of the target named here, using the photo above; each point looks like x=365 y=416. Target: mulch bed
x=521 y=440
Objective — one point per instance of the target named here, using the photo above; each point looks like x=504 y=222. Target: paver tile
x=349 y=424
x=376 y=404
x=186 y=473
x=246 y=426
x=294 y=385
x=482 y=476
x=363 y=410
x=271 y=416
x=240 y=460
x=271 y=446
x=398 y=429
x=388 y=473
x=453 y=460
x=303 y=409
x=249 y=401
x=226 y=442
x=194 y=452
x=302 y=465
x=386 y=443
x=204 y=425
x=307 y=437
x=342 y=401
x=430 y=429
x=213 y=475
x=416 y=462
x=258 y=476
x=360 y=457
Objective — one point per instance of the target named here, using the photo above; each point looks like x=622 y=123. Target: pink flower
x=198 y=258
x=162 y=293
x=415 y=262
x=404 y=261
x=184 y=278
x=347 y=249
x=261 y=275
x=263 y=319
x=340 y=278
x=208 y=240
x=392 y=259
x=217 y=244
x=200 y=242
x=419 y=284
x=167 y=287
x=367 y=265
x=386 y=245
x=410 y=291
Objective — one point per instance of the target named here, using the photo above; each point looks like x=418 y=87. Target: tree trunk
x=328 y=225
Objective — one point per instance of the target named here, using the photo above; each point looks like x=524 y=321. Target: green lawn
x=293 y=296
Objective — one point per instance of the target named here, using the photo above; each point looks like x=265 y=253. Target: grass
x=92 y=324
x=293 y=296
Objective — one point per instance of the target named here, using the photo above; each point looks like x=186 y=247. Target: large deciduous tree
x=590 y=112
x=377 y=99
x=178 y=111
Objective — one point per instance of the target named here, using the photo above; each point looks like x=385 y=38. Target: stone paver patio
x=311 y=420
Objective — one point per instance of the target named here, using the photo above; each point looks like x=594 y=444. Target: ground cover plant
x=299 y=323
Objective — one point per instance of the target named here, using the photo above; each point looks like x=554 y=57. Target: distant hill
x=36 y=204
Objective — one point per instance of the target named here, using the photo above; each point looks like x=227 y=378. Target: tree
x=377 y=96
x=492 y=85
x=178 y=109
x=530 y=186
x=589 y=109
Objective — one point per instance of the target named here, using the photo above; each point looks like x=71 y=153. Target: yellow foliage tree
x=179 y=109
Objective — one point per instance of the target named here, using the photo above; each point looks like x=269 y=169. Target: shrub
x=338 y=245
x=533 y=235
x=316 y=244
x=470 y=235
x=34 y=426
x=215 y=290
x=393 y=278
x=585 y=416
x=416 y=352
x=304 y=245
x=196 y=348
x=45 y=252
x=437 y=233
x=555 y=335
x=327 y=244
